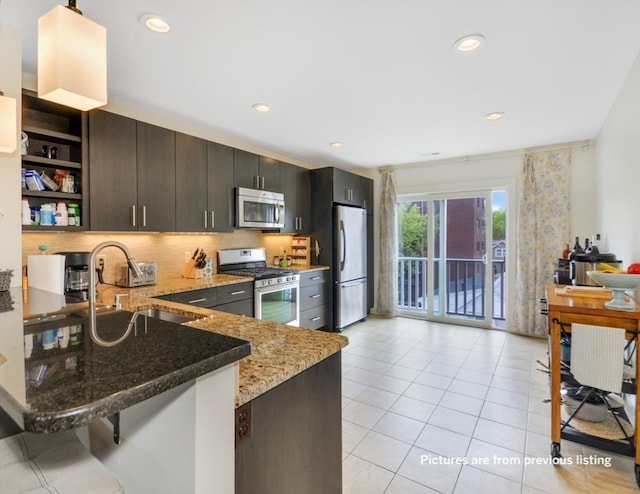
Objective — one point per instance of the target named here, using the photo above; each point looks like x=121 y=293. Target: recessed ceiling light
x=469 y=43
x=155 y=23
x=336 y=144
x=496 y=115
x=261 y=107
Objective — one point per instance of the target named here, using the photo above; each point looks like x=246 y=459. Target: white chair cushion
x=45 y=463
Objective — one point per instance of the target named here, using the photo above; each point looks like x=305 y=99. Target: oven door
x=279 y=303
x=259 y=209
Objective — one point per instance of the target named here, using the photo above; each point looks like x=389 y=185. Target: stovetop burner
x=252 y=262
x=259 y=273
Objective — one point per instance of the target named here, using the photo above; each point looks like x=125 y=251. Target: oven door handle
x=276 y=288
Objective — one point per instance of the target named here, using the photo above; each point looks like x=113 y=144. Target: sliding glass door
x=449 y=265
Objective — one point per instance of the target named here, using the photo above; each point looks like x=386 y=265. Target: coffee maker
x=76 y=274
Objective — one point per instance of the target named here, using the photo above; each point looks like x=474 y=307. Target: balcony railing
x=465 y=289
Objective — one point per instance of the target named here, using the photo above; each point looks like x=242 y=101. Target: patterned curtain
x=387 y=303
x=543 y=231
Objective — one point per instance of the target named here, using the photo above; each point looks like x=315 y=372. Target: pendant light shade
x=72 y=59
x=8 y=126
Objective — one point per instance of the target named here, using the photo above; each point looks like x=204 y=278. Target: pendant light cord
x=72 y=6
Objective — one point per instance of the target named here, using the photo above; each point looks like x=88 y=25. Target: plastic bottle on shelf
x=46 y=215
x=62 y=215
x=26 y=212
x=74 y=214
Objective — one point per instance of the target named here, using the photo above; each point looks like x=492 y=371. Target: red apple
x=634 y=268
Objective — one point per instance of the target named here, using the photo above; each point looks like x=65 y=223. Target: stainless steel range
x=276 y=290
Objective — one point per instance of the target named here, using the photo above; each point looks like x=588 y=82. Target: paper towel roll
x=46 y=273
x=44 y=302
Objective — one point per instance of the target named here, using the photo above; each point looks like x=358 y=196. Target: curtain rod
x=584 y=144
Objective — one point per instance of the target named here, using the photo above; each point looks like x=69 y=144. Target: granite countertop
x=60 y=388
x=278 y=352
x=76 y=380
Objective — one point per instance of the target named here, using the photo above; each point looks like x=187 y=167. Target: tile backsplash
x=166 y=249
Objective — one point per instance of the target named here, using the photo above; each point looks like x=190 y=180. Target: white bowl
x=615 y=280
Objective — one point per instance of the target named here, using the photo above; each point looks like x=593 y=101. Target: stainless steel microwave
x=259 y=209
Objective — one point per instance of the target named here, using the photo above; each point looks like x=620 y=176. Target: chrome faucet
x=92 y=289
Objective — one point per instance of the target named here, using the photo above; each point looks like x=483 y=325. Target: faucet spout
x=92 y=289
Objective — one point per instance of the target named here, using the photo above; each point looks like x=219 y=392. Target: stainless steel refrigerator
x=350 y=257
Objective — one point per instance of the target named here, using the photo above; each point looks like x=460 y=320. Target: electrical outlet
x=101 y=261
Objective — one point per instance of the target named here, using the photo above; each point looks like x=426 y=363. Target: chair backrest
x=597 y=356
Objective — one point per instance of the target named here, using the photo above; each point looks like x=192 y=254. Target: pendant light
x=8 y=126
x=72 y=59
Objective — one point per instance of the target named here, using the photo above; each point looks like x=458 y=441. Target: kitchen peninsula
x=184 y=407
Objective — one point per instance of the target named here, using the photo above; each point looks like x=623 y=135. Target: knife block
x=190 y=271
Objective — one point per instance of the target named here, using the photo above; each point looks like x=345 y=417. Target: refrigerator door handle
x=352 y=283
x=343 y=241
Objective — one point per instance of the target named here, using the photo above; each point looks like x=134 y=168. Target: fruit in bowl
x=634 y=268
x=615 y=280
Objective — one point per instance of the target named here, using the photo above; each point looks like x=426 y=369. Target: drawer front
x=314 y=277
x=313 y=296
x=314 y=318
x=201 y=298
x=241 y=307
x=236 y=291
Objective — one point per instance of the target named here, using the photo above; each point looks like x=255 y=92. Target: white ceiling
x=379 y=76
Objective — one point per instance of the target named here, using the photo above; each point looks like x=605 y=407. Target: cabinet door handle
x=317 y=295
x=314 y=319
x=205 y=219
x=144 y=215
x=238 y=292
x=133 y=215
x=262 y=183
x=197 y=300
x=255 y=182
x=213 y=219
x=314 y=278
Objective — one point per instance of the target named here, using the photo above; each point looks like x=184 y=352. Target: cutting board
x=585 y=291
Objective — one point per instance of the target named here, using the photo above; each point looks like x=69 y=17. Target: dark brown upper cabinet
x=204 y=185
x=255 y=172
x=295 y=184
x=132 y=173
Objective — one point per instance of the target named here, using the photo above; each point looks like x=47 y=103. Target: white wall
x=618 y=171
x=10 y=84
x=493 y=170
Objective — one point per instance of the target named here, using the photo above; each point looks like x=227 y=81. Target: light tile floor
x=431 y=407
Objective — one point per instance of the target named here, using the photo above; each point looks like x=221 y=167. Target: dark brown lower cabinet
x=291 y=439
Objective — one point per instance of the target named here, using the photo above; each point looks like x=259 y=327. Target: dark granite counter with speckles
x=278 y=351
x=52 y=387
x=147 y=363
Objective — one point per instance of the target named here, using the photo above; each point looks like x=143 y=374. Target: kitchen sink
x=166 y=316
